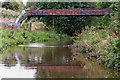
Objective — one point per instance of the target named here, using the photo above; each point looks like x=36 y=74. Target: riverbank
x=101 y=44
x=16 y=37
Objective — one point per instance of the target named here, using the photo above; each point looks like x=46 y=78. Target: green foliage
x=95 y=40
x=113 y=58
x=65 y=24
x=103 y=4
x=102 y=43
x=112 y=21
x=29 y=7
x=21 y=36
x=103 y=21
x=9 y=16
x=11 y=5
x=7 y=5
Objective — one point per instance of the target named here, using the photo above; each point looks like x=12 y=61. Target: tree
x=13 y=5
x=66 y=25
x=111 y=22
x=29 y=7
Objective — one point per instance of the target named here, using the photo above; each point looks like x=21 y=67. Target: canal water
x=48 y=60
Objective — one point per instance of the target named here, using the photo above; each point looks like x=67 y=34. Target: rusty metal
x=68 y=12
x=58 y=12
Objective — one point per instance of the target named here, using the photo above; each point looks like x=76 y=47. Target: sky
x=24 y=2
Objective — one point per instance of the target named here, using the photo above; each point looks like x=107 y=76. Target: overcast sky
x=24 y=1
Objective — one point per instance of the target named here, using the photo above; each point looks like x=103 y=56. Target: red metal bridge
x=57 y=13
x=68 y=12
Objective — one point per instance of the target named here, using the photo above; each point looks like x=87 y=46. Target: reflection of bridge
x=57 y=12
x=56 y=68
x=65 y=67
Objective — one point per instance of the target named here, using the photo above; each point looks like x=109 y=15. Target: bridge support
x=30 y=26
x=53 y=23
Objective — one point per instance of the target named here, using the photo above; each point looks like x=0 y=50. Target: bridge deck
x=59 y=12
x=68 y=12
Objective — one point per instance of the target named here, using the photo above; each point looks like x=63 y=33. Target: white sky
x=24 y=2
x=16 y=72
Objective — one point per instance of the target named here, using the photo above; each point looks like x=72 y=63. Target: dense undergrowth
x=15 y=37
x=112 y=59
x=102 y=44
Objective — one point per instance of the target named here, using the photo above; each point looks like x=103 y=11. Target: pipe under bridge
x=26 y=14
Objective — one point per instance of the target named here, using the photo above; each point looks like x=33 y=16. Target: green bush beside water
x=9 y=38
x=101 y=43
x=112 y=59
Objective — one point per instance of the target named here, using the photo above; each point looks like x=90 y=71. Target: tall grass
x=9 y=38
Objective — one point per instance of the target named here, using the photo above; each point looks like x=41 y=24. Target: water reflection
x=16 y=72
x=36 y=45
x=48 y=62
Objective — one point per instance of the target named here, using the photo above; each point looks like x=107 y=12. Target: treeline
x=71 y=25
x=16 y=6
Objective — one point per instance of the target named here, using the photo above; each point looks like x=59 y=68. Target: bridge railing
x=57 y=12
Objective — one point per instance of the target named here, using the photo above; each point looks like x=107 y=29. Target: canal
x=49 y=60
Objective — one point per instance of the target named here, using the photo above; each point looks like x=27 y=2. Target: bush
x=113 y=58
x=112 y=21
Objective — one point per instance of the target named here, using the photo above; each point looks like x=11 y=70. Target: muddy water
x=46 y=60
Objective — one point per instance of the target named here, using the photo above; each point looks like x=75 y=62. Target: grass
x=9 y=16
x=9 y=38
